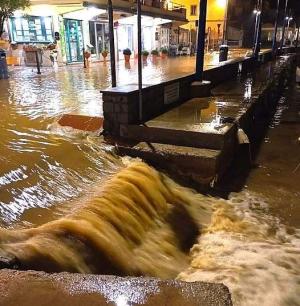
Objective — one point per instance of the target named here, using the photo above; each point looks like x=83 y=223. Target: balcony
x=153 y=8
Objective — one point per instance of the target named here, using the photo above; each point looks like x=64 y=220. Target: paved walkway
x=72 y=89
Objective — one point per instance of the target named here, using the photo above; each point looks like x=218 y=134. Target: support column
x=140 y=65
x=284 y=24
x=201 y=88
x=201 y=40
x=112 y=44
x=274 y=44
x=225 y=24
x=259 y=26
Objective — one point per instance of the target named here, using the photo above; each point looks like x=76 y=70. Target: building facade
x=75 y=26
x=215 y=20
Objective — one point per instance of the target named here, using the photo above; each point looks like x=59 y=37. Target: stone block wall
x=121 y=104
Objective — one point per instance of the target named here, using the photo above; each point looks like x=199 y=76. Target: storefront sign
x=171 y=93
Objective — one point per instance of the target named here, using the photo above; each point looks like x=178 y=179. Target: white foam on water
x=251 y=252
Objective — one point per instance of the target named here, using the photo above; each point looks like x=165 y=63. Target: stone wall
x=121 y=104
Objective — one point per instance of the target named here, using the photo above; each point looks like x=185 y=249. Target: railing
x=162 y=4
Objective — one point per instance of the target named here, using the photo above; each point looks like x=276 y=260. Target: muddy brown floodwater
x=250 y=242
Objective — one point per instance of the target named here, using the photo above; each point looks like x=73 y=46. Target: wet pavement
x=28 y=288
x=252 y=243
x=36 y=156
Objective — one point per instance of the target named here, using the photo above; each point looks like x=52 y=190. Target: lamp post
x=284 y=24
x=274 y=44
x=288 y=25
x=258 y=25
x=201 y=40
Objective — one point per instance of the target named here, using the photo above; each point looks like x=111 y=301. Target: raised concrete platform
x=198 y=138
x=201 y=165
x=38 y=288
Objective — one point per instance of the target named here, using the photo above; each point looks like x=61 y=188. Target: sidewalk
x=75 y=90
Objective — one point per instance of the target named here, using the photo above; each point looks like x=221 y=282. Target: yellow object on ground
x=13 y=60
x=80 y=122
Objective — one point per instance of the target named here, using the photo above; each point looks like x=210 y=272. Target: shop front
x=99 y=38
x=74 y=40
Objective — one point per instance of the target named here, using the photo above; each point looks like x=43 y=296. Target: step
x=199 y=164
x=196 y=123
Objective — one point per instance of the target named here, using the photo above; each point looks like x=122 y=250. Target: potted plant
x=145 y=55
x=14 y=46
x=127 y=53
x=154 y=54
x=104 y=54
x=164 y=52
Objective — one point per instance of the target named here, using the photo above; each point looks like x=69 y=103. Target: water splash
x=130 y=228
x=250 y=251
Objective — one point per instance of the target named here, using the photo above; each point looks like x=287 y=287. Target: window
x=193 y=10
x=32 y=29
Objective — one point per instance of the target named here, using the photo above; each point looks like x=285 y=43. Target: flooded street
x=253 y=242
x=36 y=158
x=250 y=241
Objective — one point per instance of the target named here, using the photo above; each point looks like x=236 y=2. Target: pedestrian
x=3 y=65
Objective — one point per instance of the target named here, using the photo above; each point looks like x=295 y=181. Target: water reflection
x=43 y=167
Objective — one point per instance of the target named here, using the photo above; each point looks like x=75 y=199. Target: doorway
x=102 y=37
x=74 y=40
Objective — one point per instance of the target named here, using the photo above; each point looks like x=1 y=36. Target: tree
x=7 y=8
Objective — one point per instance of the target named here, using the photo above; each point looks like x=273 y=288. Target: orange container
x=13 y=60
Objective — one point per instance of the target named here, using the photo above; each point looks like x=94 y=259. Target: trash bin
x=3 y=65
x=223 y=53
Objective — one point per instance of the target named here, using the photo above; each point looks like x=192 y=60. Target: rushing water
x=71 y=196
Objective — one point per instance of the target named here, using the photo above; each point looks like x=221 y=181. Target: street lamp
x=288 y=27
x=274 y=44
x=257 y=31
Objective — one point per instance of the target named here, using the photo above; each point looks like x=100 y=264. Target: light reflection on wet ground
x=40 y=168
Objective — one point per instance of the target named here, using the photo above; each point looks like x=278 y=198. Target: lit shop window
x=33 y=29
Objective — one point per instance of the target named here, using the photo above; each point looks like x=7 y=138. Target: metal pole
x=201 y=40
x=259 y=26
x=255 y=30
x=112 y=43
x=274 y=44
x=37 y=62
x=297 y=39
x=225 y=24
x=284 y=24
x=288 y=25
x=140 y=68
x=84 y=59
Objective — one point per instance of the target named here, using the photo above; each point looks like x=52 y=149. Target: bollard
x=37 y=62
x=84 y=59
x=223 y=56
x=3 y=65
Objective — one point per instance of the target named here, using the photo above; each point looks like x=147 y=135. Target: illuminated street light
x=222 y=3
